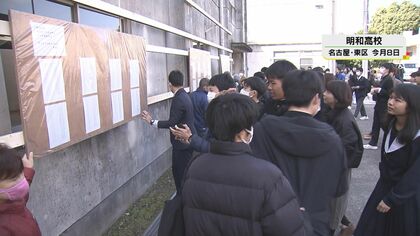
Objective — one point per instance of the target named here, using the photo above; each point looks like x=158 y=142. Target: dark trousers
x=360 y=107
x=378 y=124
x=180 y=160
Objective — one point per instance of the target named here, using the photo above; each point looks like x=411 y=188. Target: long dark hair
x=411 y=95
x=342 y=93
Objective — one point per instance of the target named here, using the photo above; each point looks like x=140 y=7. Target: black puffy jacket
x=230 y=192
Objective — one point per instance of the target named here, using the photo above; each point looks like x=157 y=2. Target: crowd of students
x=276 y=155
x=299 y=123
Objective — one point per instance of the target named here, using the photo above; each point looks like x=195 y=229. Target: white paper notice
x=135 y=102
x=117 y=107
x=48 y=40
x=115 y=71
x=91 y=108
x=52 y=80
x=57 y=124
x=88 y=75
x=225 y=63
x=134 y=73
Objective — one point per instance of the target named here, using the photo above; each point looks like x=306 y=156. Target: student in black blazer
x=181 y=113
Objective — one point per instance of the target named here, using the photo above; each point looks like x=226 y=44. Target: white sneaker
x=368 y=146
x=364 y=118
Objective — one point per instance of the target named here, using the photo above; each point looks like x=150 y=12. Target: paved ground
x=364 y=178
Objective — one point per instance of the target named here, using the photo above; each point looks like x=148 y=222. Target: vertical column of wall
x=9 y=72
x=222 y=22
x=5 y=125
x=244 y=39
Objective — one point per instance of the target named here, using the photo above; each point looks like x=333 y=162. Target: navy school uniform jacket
x=200 y=103
x=364 y=86
x=181 y=113
x=382 y=97
x=311 y=155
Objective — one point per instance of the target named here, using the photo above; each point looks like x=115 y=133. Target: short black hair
x=279 y=69
x=256 y=84
x=229 y=114
x=387 y=65
x=393 y=69
x=359 y=69
x=328 y=77
x=259 y=74
x=301 y=86
x=222 y=81
x=203 y=82
x=176 y=78
x=415 y=74
x=318 y=69
x=342 y=93
x=11 y=165
x=264 y=69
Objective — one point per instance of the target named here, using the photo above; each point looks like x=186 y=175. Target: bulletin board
x=225 y=63
x=200 y=67
x=74 y=81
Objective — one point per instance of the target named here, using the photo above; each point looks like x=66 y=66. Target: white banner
x=346 y=47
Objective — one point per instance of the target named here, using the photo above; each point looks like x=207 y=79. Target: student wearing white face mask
x=229 y=191
x=218 y=84
x=255 y=88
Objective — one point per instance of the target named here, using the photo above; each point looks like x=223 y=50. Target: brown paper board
x=79 y=42
x=200 y=67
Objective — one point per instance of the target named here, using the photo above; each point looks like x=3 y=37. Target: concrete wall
x=75 y=189
x=258 y=59
x=83 y=189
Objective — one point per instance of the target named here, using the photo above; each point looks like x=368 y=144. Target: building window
x=282 y=54
x=20 y=5
x=305 y=63
x=100 y=20
x=52 y=9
